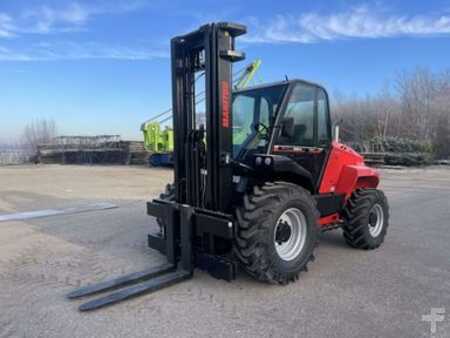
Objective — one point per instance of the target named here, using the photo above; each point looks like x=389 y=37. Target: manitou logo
x=225 y=104
x=436 y=315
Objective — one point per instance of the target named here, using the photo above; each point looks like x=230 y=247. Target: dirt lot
x=346 y=293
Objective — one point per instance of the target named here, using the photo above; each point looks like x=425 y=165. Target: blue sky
x=99 y=66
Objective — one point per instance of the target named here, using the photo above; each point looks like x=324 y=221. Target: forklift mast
x=203 y=154
x=203 y=172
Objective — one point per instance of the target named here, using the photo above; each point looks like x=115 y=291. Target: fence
x=14 y=156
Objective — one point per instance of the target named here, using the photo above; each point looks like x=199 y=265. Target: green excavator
x=158 y=137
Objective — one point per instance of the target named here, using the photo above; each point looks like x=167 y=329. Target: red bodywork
x=344 y=173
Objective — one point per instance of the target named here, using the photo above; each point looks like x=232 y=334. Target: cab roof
x=280 y=83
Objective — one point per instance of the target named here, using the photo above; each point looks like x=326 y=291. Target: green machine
x=158 y=137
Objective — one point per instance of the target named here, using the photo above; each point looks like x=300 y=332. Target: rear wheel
x=277 y=232
x=367 y=219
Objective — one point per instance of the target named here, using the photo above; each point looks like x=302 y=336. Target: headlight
x=268 y=161
x=258 y=160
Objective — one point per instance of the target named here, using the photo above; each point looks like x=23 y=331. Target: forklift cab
x=288 y=120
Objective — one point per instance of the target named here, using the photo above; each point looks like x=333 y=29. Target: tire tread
x=355 y=213
x=250 y=248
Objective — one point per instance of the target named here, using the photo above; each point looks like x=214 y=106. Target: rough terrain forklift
x=260 y=201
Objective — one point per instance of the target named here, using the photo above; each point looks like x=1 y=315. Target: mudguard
x=346 y=171
x=355 y=177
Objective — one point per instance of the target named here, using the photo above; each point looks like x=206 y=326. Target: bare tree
x=39 y=131
x=416 y=109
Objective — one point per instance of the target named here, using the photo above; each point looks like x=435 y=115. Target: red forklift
x=257 y=202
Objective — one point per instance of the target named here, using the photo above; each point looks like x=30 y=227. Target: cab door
x=308 y=110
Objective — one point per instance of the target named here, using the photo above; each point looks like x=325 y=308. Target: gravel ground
x=346 y=293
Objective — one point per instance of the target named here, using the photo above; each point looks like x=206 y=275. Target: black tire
x=167 y=195
x=257 y=221
x=359 y=214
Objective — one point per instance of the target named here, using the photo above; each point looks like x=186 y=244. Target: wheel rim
x=376 y=220
x=290 y=234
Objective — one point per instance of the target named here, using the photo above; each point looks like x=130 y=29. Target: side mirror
x=287 y=127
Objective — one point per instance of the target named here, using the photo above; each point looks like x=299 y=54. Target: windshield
x=253 y=116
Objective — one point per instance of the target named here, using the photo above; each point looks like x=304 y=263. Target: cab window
x=323 y=125
x=301 y=109
x=243 y=111
x=307 y=108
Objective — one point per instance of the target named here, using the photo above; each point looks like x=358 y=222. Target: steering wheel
x=258 y=129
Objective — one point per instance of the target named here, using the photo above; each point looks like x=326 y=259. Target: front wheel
x=277 y=232
x=367 y=219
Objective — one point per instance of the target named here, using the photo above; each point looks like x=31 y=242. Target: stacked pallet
x=374 y=159
x=136 y=152
x=101 y=149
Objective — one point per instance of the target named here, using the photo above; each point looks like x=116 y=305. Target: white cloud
x=8 y=55
x=72 y=16
x=6 y=26
x=45 y=19
x=360 y=22
x=76 y=51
